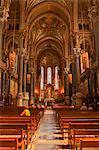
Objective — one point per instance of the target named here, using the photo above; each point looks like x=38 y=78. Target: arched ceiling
x=48 y=23
x=48 y=57
x=49 y=43
x=49 y=26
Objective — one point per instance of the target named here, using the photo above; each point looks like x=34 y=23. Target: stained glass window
x=42 y=78
x=56 y=78
x=49 y=75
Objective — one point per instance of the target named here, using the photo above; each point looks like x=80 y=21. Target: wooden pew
x=16 y=111
x=25 y=126
x=65 y=123
x=70 y=117
x=89 y=143
x=12 y=139
x=21 y=119
x=80 y=134
x=80 y=126
x=29 y=124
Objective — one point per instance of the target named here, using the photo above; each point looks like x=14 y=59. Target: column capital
x=21 y=52
x=25 y=59
x=66 y=70
x=77 y=51
x=32 y=71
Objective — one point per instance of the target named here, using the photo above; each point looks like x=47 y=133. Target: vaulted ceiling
x=48 y=25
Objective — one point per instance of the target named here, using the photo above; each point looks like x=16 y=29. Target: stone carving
x=12 y=59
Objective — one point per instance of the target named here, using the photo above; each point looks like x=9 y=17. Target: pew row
x=89 y=143
x=12 y=139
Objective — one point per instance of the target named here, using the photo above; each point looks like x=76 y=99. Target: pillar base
x=19 y=99
x=31 y=100
x=67 y=100
x=25 y=99
x=78 y=101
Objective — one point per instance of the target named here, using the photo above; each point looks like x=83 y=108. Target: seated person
x=90 y=107
x=83 y=107
x=26 y=112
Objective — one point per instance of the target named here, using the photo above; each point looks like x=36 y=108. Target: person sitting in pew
x=26 y=112
x=83 y=107
x=90 y=107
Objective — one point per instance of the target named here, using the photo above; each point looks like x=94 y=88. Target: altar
x=49 y=100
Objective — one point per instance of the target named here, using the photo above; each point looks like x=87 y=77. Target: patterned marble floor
x=48 y=135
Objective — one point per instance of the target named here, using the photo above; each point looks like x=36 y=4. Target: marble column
x=3 y=18
x=98 y=81
x=92 y=83
x=1 y=29
x=25 y=74
x=7 y=78
x=0 y=81
x=25 y=94
x=66 y=86
x=89 y=84
x=32 y=88
x=78 y=90
x=74 y=82
x=7 y=89
x=20 y=79
x=77 y=73
x=3 y=83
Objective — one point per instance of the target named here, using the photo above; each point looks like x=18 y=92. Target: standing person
x=26 y=112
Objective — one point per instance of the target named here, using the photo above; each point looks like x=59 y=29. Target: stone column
x=74 y=82
x=20 y=78
x=7 y=78
x=1 y=29
x=4 y=8
x=78 y=90
x=66 y=86
x=32 y=88
x=0 y=80
x=94 y=20
x=98 y=81
x=7 y=89
x=3 y=83
x=25 y=94
x=76 y=67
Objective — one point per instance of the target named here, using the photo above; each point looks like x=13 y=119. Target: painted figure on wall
x=12 y=59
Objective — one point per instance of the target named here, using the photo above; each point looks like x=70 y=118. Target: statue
x=12 y=59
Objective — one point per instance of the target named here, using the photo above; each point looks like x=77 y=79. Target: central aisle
x=48 y=136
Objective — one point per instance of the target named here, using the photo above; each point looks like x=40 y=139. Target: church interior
x=49 y=74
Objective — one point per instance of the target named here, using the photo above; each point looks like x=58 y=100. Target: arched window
x=49 y=75
x=56 y=78
x=42 y=78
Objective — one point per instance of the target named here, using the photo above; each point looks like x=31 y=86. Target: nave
x=48 y=135
x=52 y=128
